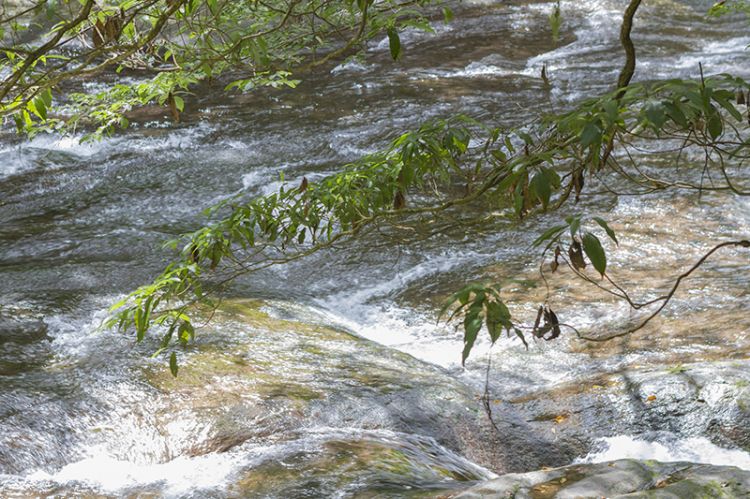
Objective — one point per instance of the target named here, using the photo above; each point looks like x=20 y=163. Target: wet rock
x=22 y=331
x=707 y=399
x=366 y=464
x=278 y=378
x=623 y=478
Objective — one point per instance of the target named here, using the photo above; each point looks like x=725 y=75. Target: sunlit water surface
x=82 y=224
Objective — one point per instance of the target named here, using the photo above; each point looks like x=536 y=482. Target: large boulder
x=275 y=379
x=704 y=399
x=624 y=478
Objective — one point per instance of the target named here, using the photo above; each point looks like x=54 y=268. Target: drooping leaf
x=555 y=21
x=179 y=103
x=574 y=223
x=520 y=335
x=552 y=323
x=591 y=133
x=549 y=234
x=173 y=367
x=575 y=253
x=394 y=43
x=677 y=114
x=447 y=15
x=472 y=325
x=538 y=320
x=608 y=229
x=593 y=248
x=715 y=125
x=656 y=115
x=498 y=316
x=578 y=183
x=542 y=185
x=725 y=100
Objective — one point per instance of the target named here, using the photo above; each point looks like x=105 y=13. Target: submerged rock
x=22 y=331
x=360 y=464
x=260 y=379
x=623 y=478
x=707 y=399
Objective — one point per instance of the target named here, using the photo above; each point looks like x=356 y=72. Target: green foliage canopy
x=169 y=46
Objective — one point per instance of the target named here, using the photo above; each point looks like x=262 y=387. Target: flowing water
x=87 y=412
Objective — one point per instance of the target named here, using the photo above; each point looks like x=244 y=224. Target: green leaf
x=498 y=316
x=555 y=21
x=447 y=15
x=472 y=325
x=543 y=183
x=47 y=97
x=715 y=125
x=656 y=114
x=521 y=336
x=394 y=43
x=676 y=113
x=574 y=223
x=212 y=6
x=612 y=109
x=607 y=228
x=179 y=103
x=548 y=234
x=725 y=100
x=173 y=367
x=593 y=248
x=591 y=133
x=540 y=186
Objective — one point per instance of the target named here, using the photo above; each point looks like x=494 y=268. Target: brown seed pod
x=550 y=319
x=97 y=34
x=173 y=108
x=399 y=200
x=106 y=32
x=538 y=320
x=193 y=257
x=740 y=97
x=401 y=178
x=303 y=185
x=578 y=183
x=112 y=29
x=545 y=78
x=575 y=253
x=555 y=263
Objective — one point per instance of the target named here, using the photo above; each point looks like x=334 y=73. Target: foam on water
x=102 y=472
x=667 y=449
x=107 y=474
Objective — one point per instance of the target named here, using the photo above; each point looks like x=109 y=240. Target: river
x=84 y=411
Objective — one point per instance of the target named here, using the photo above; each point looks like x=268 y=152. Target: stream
x=329 y=377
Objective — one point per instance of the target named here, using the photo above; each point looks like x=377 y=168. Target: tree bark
x=626 y=74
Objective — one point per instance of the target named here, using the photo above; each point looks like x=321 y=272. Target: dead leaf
x=575 y=252
x=399 y=201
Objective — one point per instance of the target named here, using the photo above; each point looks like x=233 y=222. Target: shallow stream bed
x=329 y=377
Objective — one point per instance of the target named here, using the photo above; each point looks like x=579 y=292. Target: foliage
x=169 y=46
x=525 y=171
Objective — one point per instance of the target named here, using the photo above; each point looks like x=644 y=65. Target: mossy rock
x=256 y=377
x=363 y=466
